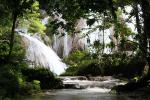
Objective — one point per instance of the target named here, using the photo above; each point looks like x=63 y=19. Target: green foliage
x=81 y=63
x=75 y=58
x=89 y=69
x=17 y=6
x=72 y=10
x=18 y=52
x=36 y=26
x=9 y=74
x=28 y=88
x=45 y=76
x=70 y=71
x=120 y=64
x=52 y=26
x=12 y=81
x=36 y=84
x=32 y=20
x=8 y=84
x=5 y=25
x=17 y=80
x=114 y=64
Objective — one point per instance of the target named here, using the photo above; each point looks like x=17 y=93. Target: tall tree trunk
x=115 y=20
x=146 y=34
x=104 y=32
x=138 y=26
x=12 y=35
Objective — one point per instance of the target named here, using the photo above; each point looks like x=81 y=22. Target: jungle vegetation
x=17 y=79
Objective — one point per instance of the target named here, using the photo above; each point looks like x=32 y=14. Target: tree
x=74 y=9
x=32 y=20
x=146 y=33
x=16 y=8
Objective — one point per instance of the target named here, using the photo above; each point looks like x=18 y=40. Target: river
x=79 y=88
x=83 y=94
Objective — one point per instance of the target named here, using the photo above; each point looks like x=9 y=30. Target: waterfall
x=65 y=51
x=40 y=54
x=54 y=43
x=62 y=45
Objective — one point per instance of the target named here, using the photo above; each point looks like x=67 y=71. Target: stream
x=79 y=88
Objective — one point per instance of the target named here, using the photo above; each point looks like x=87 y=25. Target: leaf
x=90 y=22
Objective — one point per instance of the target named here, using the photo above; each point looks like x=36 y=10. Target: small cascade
x=92 y=84
x=40 y=54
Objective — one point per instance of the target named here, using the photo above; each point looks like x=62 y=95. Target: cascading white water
x=65 y=51
x=62 y=45
x=38 y=52
x=93 y=84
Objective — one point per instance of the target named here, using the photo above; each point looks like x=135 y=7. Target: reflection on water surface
x=84 y=94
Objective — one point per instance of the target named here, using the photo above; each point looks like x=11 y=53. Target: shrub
x=70 y=71
x=36 y=85
x=45 y=76
x=9 y=85
x=12 y=82
x=92 y=69
x=28 y=88
x=119 y=64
